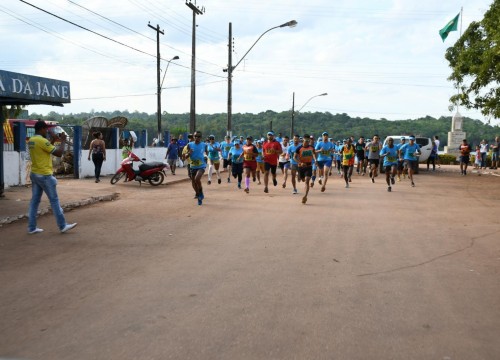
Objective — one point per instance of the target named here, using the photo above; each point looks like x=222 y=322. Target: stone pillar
x=456 y=135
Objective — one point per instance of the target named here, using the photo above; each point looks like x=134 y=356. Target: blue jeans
x=44 y=184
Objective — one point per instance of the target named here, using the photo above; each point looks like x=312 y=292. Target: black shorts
x=374 y=161
x=465 y=159
x=237 y=169
x=305 y=171
x=388 y=168
x=226 y=163
x=193 y=172
x=268 y=167
x=284 y=165
x=401 y=165
x=361 y=158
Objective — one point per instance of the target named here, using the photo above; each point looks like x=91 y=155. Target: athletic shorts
x=361 y=158
x=260 y=167
x=494 y=156
x=193 y=172
x=268 y=167
x=252 y=165
x=284 y=165
x=401 y=165
x=305 y=171
x=411 y=164
x=388 y=168
x=374 y=161
x=322 y=164
x=226 y=163
x=465 y=159
x=214 y=161
x=237 y=168
x=294 y=167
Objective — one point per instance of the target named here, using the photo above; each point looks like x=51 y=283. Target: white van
x=424 y=143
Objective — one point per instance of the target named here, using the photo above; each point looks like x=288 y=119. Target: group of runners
x=306 y=159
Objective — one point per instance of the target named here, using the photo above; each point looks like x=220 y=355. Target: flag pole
x=461 y=21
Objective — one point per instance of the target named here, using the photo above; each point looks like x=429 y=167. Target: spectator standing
x=172 y=155
x=495 y=147
x=42 y=179
x=438 y=142
x=432 y=157
x=484 y=147
x=465 y=150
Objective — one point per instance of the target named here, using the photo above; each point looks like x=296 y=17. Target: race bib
x=248 y=157
x=348 y=156
x=196 y=162
x=325 y=152
x=391 y=159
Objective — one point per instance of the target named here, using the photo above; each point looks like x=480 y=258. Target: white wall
x=15 y=163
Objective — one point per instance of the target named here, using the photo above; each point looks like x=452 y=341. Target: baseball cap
x=270 y=133
x=412 y=137
x=325 y=133
x=236 y=142
x=40 y=124
x=250 y=137
x=211 y=136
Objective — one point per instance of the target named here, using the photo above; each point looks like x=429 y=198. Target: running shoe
x=247 y=190
x=323 y=189
x=350 y=180
x=228 y=179
x=392 y=181
x=399 y=178
x=320 y=182
x=200 y=200
x=412 y=184
x=347 y=185
x=239 y=185
x=202 y=196
x=284 y=185
x=275 y=182
x=294 y=192
x=304 y=199
x=36 y=231
x=68 y=227
x=312 y=184
x=253 y=179
x=389 y=189
x=373 y=180
x=266 y=190
x=219 y=181
x=209 y=182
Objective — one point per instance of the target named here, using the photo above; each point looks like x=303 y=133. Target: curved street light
x=160 y=87
x=230 y=68
x=292 y=123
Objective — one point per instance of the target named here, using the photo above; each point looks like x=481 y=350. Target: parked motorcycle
x=153 y=172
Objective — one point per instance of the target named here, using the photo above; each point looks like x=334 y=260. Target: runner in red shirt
x=271 y=151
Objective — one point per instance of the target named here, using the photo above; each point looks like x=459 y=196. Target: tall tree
x=475 y=63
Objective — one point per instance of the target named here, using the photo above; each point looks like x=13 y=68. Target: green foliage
x=339 y=126
x=475 y=63
x=447 y=159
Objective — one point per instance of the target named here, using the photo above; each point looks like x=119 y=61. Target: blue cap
x=325 y=133
x=236 y=142
x=270 y=133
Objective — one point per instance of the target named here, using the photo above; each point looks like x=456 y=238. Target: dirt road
x=356 y=273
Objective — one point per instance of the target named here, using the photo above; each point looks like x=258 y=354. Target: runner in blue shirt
x=260 y=161
x=236 y=155
x=225 y=147
x=324 y=149
x=410 y=153
x=390 y=154
x=294 y=165
x=196 y=153
x=213 y=150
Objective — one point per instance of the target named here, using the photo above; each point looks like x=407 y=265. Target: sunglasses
x=197 y=136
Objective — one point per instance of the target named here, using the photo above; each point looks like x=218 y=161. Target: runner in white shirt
x=284 y=159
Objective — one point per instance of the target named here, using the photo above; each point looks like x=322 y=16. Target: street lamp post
x=292 y=123
x=160 y=87
x=231 y=68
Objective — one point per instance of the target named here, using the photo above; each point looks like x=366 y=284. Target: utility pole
x=230 y=82
x=192 y=118
x=292 y=123
x=158 y=90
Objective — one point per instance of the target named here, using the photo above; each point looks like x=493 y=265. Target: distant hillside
x=339 y=126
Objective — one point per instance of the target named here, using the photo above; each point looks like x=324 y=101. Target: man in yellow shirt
x=42 y=179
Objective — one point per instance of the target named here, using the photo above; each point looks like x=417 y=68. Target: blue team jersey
x=291 y=151
x=197 y=158
x=408 y=151
x=213 y=151
x=225 y=148
x=326 y=150
x=259 y=156
x=391 y=155
x=235 y=155
x=338 y=150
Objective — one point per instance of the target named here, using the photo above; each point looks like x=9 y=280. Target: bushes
x=447 y=159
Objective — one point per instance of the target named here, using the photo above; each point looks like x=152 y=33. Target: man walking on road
x=41 y=176
x=271 y=151
x=465 y=150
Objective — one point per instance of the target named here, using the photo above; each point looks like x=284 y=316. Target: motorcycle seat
x=151 y=165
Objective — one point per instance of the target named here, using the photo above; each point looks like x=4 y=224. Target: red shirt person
x=271 y=151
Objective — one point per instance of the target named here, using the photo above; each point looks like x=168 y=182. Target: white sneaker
x=36 y=231
x=68 y=227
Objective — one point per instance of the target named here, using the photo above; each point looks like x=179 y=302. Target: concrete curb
x=66 y=206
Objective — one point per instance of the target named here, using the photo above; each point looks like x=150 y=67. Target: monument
x=456 y=135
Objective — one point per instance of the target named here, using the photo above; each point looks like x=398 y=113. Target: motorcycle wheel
x=117 y=177
x=156 y=179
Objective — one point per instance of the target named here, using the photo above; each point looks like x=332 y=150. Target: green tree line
x=339 y=126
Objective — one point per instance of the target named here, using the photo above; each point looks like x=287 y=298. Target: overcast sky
x=377 y=59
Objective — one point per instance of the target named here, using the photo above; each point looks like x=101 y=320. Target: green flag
x=451 y=26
